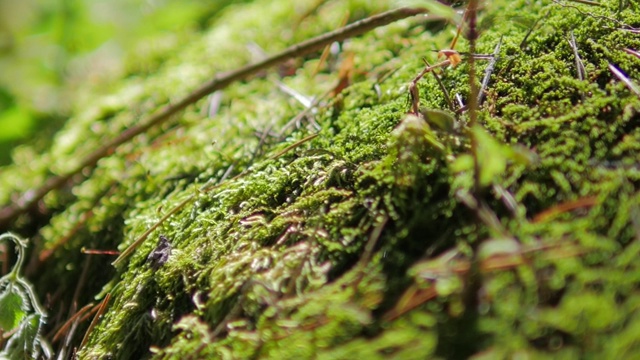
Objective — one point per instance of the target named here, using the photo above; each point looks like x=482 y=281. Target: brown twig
x=564 y=207
x=294 y=145
x=131 y=248
x=74 y=318
x=416 y=295
x=459 y=29
x=29 y=199
x=101 y=308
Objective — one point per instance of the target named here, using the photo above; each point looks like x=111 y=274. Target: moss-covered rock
x=351 y=229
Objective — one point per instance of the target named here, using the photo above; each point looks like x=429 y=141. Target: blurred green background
x=50 y=50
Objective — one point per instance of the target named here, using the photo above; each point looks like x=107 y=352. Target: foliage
x=22 y=317
x=368 y=239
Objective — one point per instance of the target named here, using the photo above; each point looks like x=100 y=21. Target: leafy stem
x=21 y=244
x=22 y=316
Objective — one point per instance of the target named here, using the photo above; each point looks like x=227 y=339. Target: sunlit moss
x=324 y=250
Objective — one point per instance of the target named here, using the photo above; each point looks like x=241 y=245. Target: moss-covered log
x=332 y=224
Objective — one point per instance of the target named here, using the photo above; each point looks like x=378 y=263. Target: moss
x=354 y=244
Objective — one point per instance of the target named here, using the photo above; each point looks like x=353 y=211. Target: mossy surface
x=359 y=242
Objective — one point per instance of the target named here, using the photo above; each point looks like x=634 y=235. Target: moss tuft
x=358 y=242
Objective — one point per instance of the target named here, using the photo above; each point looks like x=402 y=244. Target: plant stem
x=472 y=10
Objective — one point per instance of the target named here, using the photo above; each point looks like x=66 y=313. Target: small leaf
x=462 y=163
x=13 y=311
x=441 y=119
x=496 y=247
x=446 y=286
x=26 y=342
x=492 y=156
x=414 y=133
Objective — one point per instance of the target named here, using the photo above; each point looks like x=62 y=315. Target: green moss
x=328 y=249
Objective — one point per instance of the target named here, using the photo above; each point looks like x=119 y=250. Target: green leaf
x=26 y=342
x=500 y=246
x=462 y=163
x=414 y=133
x=441 y=119
x=492 y=156
x=20 y=311
x=12 y=303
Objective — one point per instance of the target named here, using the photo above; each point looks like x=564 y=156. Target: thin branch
x=373 y=241
x=488 y=72
x=29 y=199
x=473 y=279
x=131 y=248
x=65 y=327
x=579 y=66
x=294 y=145
x=588 y=2
x=632 y=52
x=101 y=308
x=369 y=247
x=625 y=79
x=585 y=202
x=472 y=10
x=445 y=92
x=618 y=22
x=461 y=105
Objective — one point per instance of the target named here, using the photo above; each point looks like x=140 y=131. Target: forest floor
x=305 y=213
